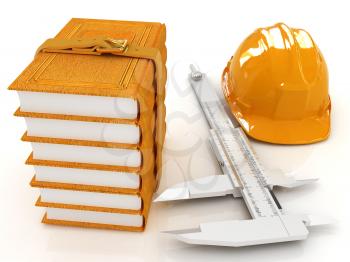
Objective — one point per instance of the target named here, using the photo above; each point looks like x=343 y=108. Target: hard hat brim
x=293 y=132
x=272 y=130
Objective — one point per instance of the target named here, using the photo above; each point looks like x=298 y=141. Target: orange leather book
x=93 y=100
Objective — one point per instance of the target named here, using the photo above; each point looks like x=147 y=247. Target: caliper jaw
x=221 y=185
x=278 y=178
x=237 y=233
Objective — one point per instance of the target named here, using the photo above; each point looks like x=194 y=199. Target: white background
x=206 y=33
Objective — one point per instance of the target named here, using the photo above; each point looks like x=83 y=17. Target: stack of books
x=96 y=124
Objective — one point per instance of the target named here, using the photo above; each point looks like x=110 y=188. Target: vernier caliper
x=243 y=177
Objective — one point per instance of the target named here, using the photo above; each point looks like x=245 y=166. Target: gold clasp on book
x=121 y=44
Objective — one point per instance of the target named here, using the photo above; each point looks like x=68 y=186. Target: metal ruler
x=243 y=177
x=236 y=156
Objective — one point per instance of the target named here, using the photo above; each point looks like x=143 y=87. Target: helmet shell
x=276 y=85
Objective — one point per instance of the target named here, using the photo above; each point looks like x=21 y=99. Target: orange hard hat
x=276 y=85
